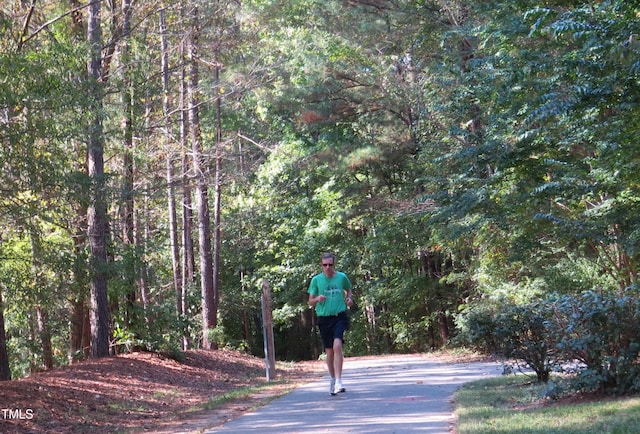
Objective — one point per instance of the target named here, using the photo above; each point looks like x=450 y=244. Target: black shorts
x=332 y=327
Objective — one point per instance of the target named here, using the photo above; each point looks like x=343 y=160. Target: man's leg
x=342 y=325
x=338 y=358
x=332 y=371
x=330 y=362
x=326 y=333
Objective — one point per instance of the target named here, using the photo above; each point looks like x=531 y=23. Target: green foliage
x=541 y=164
x=592 y=336
x=576 y=274
x=30 y=285
x=156 y=330
x=476 y=327
x=520 y=333
x=598 y=330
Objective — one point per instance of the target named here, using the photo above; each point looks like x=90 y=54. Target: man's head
x=328 y=264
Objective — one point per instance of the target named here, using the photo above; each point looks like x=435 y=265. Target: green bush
x=476 y=327
x=592 y=336
x=600 y=333
x=520 y=333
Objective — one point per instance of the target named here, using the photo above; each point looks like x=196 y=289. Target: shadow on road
x=399 y=394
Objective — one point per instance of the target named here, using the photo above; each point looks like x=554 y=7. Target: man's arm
x=315 y=299
x=349 y=293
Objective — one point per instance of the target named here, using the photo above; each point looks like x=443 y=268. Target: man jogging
x=327 y=293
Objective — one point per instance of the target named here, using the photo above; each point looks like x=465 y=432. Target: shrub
x=475 y=326
x=599 y=331
x=593 y=336
x=521 y=334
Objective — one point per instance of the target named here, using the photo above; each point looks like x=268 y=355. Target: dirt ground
x=143 y=393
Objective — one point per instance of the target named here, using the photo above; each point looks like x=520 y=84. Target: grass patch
x=241 y=393
x=167 y=395
x=514 y=405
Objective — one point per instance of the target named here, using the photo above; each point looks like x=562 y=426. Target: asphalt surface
x=404 y=394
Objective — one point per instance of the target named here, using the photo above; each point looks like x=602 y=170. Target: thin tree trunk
x=217 y=234
x=86 y=332
x=76 y=350
x=142 y=272
x=80 y=332
x=143 y=233
x=200 y=174
x=5 y=372
x=127 y=214
x=97 y=210
x=443 y=327
x=188 y=260
x=44 y=333
x=80 y=329
x=188 y=257
x=171 y=188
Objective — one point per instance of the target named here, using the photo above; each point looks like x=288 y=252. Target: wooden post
x=267 y=327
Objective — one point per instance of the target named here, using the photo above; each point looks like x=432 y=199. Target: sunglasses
x=327 y=265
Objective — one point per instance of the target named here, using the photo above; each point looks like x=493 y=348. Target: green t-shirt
x=333 y=288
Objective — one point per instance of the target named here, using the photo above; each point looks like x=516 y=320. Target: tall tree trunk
x=202 y=202
x=171 y=188
x=78 y=310
x=188 y=260
x=5 y=372
x=443 y=327
x=127 y=213
x=44 y=332
x=79 y=333
x=142 y=271
x=144 y=231
x=188 y=257
x=97 y=210
x=217 y=233
x=80 y=330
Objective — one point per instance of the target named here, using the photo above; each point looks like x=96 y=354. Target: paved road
x=404 y=394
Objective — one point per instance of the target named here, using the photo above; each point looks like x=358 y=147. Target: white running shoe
x=332 y=387
x=339 y=388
